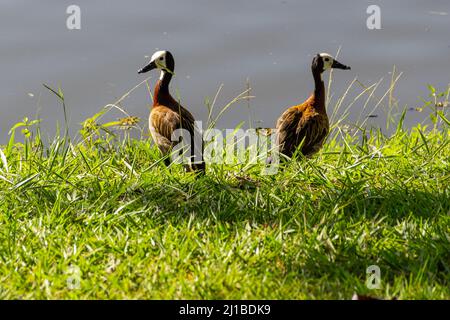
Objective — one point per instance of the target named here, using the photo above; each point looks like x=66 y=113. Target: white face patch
x=327 y=60
x=159 y=57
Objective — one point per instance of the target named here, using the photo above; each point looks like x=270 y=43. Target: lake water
x=214 y=42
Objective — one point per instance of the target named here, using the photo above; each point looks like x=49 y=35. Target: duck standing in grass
x=167 y=115
x=307 y=124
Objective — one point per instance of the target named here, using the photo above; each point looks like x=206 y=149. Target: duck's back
x=165 y=120
x=302 y=125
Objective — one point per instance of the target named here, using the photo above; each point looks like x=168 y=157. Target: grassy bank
x=104 y=218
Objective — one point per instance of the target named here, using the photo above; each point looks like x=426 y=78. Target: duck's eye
x=162 y=58
x=327 y=59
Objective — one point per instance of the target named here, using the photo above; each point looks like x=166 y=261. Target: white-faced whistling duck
x=167 y=114
x=307 y=124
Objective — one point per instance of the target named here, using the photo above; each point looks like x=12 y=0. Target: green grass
x=138 y=230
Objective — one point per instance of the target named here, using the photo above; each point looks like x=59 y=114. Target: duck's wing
x=288 y=126
x=166 y=120
x=312 y=130
x=187 y=120
x=301 y=125
x=188 y=123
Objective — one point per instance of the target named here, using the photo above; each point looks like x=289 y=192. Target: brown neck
x=319 y=92
x=161 y=94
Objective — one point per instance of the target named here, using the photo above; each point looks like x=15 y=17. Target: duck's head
x=162 y=60
x=324 y=61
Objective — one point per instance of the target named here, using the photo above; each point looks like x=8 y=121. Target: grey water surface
x=269 y=42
